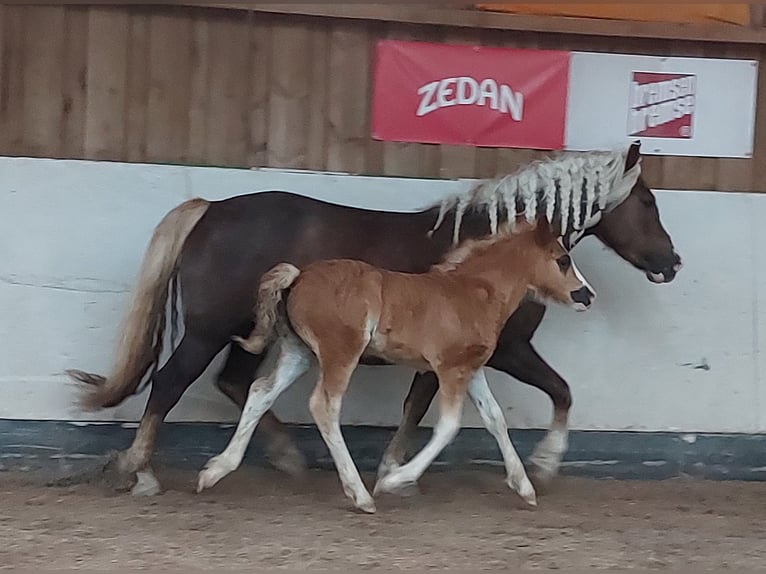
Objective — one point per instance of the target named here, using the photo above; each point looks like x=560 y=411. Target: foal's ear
x=634 y=154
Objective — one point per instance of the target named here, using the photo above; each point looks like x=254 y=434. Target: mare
x=446 y=320
x=214 y=252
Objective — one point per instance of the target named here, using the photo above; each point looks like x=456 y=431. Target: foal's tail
x=140 y=343
x=270 y=292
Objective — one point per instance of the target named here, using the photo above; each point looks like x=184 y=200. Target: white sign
x=675 y=106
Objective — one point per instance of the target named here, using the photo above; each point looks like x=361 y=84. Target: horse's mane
x=573 y=187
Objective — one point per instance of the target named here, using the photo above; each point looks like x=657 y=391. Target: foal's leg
x=452 y=387
x=493 y=418
x=234 y=381
x=294 y=360
x=422 y=392
x=325 y=405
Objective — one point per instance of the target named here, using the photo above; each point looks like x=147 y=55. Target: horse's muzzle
x=582 y=298
x=667 y=274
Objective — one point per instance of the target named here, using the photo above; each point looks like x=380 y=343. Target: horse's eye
x=565 y=262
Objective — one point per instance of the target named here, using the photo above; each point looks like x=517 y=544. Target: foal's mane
x=469 y=247
x=575 y=187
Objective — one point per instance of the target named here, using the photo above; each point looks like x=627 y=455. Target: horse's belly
x=381 y=348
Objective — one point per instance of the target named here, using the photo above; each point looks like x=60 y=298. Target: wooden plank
x=316 y=142
x=423 y=13
x=167 y=130
x=349 y=97
x=260 y=79
x=107 y=86
x=74 y=88
x=289 y=96
x=12 y=96
x=137 y=87
x=229 y=88
x=43 y=43
x=3 y=79
x=199 y=93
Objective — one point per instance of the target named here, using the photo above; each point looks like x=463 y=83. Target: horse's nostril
x=583 y=296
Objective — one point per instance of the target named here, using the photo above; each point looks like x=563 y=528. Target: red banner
x=498 y=97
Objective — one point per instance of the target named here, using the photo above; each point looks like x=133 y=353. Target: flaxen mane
x=570 y=191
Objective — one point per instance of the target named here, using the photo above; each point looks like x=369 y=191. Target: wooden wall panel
x=138 y=87
x=42 y=46
x=170 y=71
x=348 y=110
x=107 y=72
x=230 y=87
x=290 y=91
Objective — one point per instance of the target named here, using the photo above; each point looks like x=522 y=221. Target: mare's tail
x=140 y=343
x=270 y=292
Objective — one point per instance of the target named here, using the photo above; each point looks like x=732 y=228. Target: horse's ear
x=543 y=234
x=634 y=154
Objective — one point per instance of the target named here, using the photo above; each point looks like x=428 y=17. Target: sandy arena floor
x=468 y=519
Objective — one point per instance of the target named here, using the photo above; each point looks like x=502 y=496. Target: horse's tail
x=270 y=292
x=140 y=343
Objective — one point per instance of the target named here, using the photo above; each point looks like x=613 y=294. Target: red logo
x=662 y=105
x=445 y=94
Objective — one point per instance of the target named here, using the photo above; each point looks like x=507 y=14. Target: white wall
x=72 y=234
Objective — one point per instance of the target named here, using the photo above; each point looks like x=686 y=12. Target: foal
x=446 y=320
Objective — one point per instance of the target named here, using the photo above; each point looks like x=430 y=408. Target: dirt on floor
x=467 y=519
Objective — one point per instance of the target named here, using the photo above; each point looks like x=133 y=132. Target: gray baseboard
x=57 y=447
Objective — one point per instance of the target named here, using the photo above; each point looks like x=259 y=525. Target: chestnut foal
x=447 y=320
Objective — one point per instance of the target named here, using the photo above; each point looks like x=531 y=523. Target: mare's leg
x=494 y=420
x=325 y=405
x=294 y=360
x=422 y=392
x=515 y=356
x=452 y=387
x=234 y=381
x=183 y=367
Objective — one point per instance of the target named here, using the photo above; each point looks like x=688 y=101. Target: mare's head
x=633 y=229
x=554 y=276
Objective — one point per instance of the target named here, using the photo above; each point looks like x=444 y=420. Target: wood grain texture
x=137 y=103
x=238 y=88
x=43 y=44
x=289 y=95
x=167 y=130
x=259 y=73
x=107 y=73
x=348 y=111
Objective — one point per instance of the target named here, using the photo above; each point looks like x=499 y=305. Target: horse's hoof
x=404 y=488
x=367 y=506
x=146 y=484
x=210 y=476
x=292 y=462
x=527 y=493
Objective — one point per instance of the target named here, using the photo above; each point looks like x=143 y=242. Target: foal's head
x=554 y=276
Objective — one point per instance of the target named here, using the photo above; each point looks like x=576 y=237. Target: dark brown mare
x=215 y=252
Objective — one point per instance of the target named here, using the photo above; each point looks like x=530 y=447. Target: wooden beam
x=471 y=18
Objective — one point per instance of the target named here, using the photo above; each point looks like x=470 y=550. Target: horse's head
x=555 y=276
x=633 y=229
